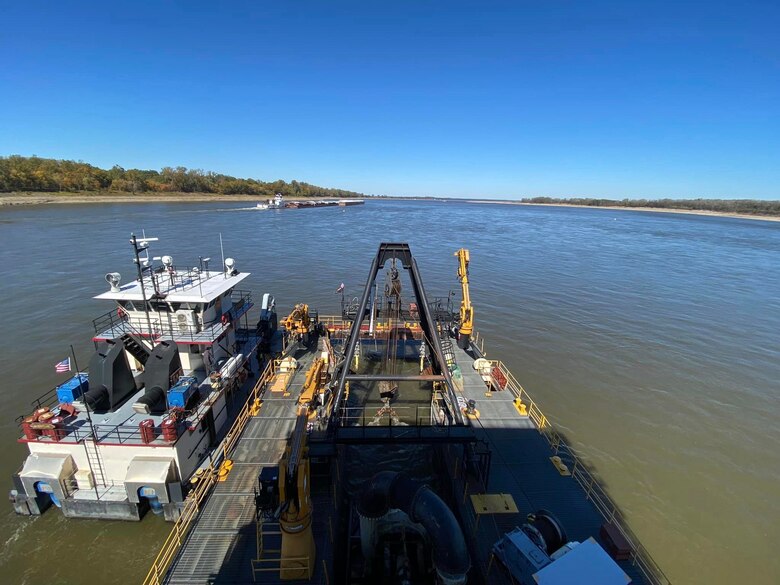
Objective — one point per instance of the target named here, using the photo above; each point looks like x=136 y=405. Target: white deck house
x=167 y=362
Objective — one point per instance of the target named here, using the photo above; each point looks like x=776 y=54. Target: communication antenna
x=142 y=245
x=222 y=250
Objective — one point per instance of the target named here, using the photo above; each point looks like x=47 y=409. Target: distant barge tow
x=278 y=202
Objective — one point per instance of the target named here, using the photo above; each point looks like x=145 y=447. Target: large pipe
x=389 y=489
x=97 y=398
x=153 y=401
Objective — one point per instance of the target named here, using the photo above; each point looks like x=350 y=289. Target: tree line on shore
x=747 y=206
x=35 y=174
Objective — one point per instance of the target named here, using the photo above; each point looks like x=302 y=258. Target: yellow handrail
x=579 y=471
x=208 y=478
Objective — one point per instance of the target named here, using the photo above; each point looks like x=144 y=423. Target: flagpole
x=89 y=419
x=86 y=405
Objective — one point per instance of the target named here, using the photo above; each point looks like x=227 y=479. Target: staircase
x=136 y=347
x=95 y=461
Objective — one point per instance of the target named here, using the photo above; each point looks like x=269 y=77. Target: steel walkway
x=222 y=542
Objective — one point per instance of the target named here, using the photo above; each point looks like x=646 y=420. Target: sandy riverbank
x=648 y=209
x=7 y=199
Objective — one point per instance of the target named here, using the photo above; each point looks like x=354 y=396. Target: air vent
x=184 y=327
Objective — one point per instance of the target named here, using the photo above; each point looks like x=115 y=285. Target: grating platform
x=222 y=543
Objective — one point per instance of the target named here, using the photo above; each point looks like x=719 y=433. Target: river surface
x=652 y=340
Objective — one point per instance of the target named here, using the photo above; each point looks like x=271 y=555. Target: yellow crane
x=298 y=322
x=298 y=550
x=466 y=310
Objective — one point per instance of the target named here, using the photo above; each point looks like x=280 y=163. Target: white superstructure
x=135 y=428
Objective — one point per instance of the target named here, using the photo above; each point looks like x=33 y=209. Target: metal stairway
x=136 y=347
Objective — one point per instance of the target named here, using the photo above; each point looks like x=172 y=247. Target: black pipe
x=154 y=399
x=373 y=501
x=97 y=399
x=388 y=489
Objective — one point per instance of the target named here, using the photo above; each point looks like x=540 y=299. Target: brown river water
x=651 y=340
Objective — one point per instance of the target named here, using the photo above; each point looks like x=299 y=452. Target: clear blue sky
x=506 y=100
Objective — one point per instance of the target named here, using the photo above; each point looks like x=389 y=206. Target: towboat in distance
x=171 y=366
x=278 y=202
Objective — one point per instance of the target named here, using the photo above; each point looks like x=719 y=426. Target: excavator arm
x=466 y=309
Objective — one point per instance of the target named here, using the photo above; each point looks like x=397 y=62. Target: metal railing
x=377 y=415
x=340 y=327
x=117 y=320
x=47 y=399
x=275 y=565
x=114 y=324
x=119 y=434
x=103 y=433
x=71 y=485
x=208 y=478
x=511 y=384
x=592 y=488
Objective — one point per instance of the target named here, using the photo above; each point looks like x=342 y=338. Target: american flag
x=63 y=366
x=340 y=288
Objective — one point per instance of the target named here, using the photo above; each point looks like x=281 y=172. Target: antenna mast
x=222 y=250
x=138 y=247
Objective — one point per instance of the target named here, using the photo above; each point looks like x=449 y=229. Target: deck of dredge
x=222 y=545
x=490 y=452
x=522 y=467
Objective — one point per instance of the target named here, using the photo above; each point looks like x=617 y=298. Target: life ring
x=225 y=319
x=120 y=312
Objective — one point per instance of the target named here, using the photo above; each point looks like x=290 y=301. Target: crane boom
x=466 y=309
